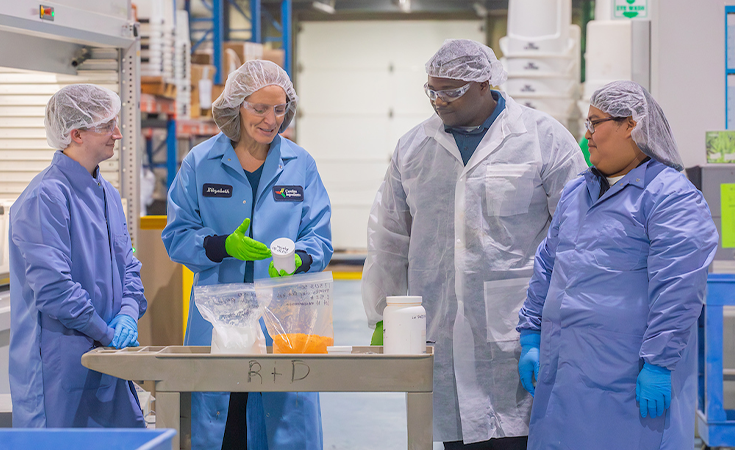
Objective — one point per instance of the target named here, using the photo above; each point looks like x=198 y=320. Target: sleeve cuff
x=306 y=261
x=530 y=338
x=129 y=309
x=214 y=247
x=98 y=330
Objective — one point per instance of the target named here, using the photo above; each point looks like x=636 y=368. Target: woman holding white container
x=251 y=180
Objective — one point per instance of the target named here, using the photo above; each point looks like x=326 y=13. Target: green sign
x=630 y=9
x=727 y=205
x=720 y=146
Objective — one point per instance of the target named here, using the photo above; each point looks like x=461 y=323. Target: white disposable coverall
x=464 y=238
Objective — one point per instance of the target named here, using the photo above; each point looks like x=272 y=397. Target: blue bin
x=86 y=438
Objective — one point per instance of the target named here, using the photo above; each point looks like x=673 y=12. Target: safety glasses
x=105 y=128
x=447 y=95
x=591 y=124
x=261 y=109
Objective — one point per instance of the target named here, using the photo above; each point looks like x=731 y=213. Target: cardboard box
x=232 y=62
x=277 y=56
x=245 y=51
x=202 y=57
x=198 y=72
x=195 y=109
x=217 y=91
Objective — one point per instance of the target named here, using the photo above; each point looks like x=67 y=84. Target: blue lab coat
x=210 y=196
x=72 y=270
x=619 y=280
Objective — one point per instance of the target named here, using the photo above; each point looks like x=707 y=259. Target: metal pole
x=255 y=21
x=218 y=27
x=286 y=34
x=172 y=163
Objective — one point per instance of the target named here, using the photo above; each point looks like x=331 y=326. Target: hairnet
x=78 y=106
x=463 y=59
x=250 y=77
x=652 y=133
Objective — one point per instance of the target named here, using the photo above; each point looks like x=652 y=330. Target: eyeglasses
x=447 y=95
x=591 y=124
x=261 y=109
x=103 y=128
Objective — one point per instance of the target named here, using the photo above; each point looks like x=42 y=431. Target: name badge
x=288 y=193
x=217 y=190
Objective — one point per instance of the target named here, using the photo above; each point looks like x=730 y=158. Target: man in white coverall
x=467 y=198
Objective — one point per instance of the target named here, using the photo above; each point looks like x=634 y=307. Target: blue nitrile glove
x=275 y=274
x=377 y=334
x=245 y=248
x=653 y=390
x=126 y=331
x=529 y=362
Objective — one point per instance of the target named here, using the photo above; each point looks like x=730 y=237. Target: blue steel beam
x=172 y=164
x=218 y=35
x=286 y=34
x=255 y=33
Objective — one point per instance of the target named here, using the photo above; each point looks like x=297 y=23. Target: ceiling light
x=324 y=7
x=405 y=5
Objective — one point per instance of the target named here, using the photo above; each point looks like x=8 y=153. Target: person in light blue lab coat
x=609 y=327
x=74 y=282
x=234 y=195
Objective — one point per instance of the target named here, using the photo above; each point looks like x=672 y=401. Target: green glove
x=275 y=274
x=377 y=334
x=245 y=248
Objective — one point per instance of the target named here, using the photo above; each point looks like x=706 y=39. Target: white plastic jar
x=404 y=326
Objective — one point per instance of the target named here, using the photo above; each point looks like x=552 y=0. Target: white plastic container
x=539 y=19
x=339 y=350
x=555 y=106
x=561 y=66
x=542 y=86
x=404 y=326
x=282 y=250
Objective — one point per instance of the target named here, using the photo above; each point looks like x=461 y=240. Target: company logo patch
x=288 y=193
x=217 y=190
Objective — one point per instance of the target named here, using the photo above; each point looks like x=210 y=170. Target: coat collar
x=75 y=172
x=636 y=177
x=281 y=151
x=508 y=122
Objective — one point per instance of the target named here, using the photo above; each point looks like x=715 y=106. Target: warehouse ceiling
x=394 y=9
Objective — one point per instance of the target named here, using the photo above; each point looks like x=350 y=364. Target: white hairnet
x=652 y=133
x=250 y=77
x=78 y=106
x=463 y=59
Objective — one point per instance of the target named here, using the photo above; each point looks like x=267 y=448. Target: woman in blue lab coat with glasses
x=234 y=194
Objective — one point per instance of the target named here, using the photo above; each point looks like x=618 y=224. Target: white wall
x=360 y=85
x=688 y=70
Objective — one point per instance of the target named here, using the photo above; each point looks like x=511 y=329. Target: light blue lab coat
x=288 y=420
x=618 y=280
x=72 y=270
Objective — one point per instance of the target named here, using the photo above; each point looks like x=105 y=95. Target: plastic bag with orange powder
x=298 y=314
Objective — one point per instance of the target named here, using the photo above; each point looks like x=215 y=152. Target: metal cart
x=715 y=424
x=178 y=371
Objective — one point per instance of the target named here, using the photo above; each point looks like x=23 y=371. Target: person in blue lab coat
x=235 y=194
x=608 y=329
x=74 y=282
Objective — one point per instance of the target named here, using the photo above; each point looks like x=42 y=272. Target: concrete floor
x=359 y=421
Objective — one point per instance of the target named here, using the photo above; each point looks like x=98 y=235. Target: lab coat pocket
x=73 y=375
x=509 y=188
x=503 y=300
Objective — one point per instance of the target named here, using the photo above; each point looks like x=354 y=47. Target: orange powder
x=301 y=343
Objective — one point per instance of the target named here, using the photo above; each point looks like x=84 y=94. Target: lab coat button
x=244 y=201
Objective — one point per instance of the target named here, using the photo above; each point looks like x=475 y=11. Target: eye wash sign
x=630 y=9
